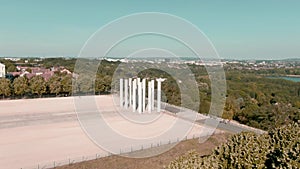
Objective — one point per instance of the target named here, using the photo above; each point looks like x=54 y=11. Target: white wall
x=2 y=70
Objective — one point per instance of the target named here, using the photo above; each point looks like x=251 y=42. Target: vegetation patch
x=279 y=148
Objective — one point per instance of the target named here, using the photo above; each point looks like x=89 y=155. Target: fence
x=126 y=151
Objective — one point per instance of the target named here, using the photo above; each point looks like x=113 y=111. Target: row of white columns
x=133 y=94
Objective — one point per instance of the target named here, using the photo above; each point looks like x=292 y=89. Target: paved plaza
x=40 y=131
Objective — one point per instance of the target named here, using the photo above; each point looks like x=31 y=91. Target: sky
x=255 y=29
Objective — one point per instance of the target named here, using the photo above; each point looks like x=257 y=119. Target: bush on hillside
x=279 y=148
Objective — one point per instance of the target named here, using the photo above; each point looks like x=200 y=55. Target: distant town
x=15 y=67
x=11 y=67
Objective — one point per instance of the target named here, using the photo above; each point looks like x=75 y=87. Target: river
x=294 y=79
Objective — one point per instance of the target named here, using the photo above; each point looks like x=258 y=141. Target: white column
x=130 y=91
x=134 y=95
x=121 y=92
x=159 y=93
x=126 y=93
x=152 y=94
x=144 y=94
x=149 y=97
x=140 y=97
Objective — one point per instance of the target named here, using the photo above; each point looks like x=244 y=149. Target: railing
x=127 y=151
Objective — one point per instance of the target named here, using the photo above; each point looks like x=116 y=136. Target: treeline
x=60 y=84
x=275 y=71
x=68 y=63
x=279 y=148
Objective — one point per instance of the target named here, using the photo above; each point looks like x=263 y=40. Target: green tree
x=20 y=86
x=5 y=89
x=28 y=70
x=66 y=81
x=11 y=68
x=60 y=83
x=54 y=84
x=284 y=149
x=37 y=85
x=84 y=84
x=102 y=83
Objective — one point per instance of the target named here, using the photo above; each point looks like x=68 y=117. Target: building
x=2 y=70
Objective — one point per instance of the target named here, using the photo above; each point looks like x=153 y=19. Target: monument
x=133 y=94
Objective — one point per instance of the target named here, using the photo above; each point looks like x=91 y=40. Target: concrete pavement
x=40 y=131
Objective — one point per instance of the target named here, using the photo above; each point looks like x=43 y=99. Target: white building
x=2 y=70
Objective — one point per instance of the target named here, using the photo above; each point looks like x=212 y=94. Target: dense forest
x=279 y=148
x=251 y=99
x=262 y=102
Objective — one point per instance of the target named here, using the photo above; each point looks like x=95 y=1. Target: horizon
x=158 y=57
x=265 y=30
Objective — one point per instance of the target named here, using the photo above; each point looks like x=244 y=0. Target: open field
x=43 y=131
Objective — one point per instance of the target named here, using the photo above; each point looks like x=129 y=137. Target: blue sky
x=255 y=29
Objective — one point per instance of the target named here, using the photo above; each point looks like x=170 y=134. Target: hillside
x=279 y=148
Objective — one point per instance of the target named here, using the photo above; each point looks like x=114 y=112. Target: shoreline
x=297 y=76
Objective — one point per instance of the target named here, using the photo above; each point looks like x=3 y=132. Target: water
x=294 y=79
